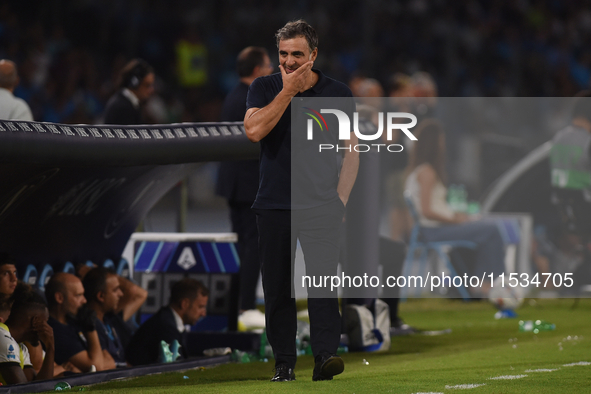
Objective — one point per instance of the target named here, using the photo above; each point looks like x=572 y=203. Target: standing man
x=11 y=108
x=188 y=304
x=238 y=182
x=315 y=223
x=76 y=339
x=570 y=163
x=570 y=157
x=136 y=84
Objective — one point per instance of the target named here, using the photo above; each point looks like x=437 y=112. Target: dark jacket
x=120 y=111
x=238 y=181
x=144 y=347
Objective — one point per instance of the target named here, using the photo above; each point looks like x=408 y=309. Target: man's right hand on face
x=44 y=331
x=296 y=81
x=85 y=318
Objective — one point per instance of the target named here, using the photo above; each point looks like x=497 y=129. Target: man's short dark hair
x=95 y=281
x=296 y=29
x=55 y=285
x=6 y=302
x=26 y=301
x=582 y=106
x=6 y=258
x=187 y=288
x=248 y=59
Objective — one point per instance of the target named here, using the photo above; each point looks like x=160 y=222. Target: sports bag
x=368 y=329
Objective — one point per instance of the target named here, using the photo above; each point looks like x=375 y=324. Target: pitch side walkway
x=105 y=376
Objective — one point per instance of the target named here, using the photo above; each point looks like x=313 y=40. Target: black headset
x=133 y=74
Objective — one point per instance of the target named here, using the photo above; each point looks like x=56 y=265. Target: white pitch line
x=542 y=370
x=464 y=386
x=579 y=363
x=508 y=377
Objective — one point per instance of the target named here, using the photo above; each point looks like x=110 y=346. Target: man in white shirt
x=11 y=108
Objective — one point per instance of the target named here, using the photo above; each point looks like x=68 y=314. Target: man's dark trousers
x=318 y=232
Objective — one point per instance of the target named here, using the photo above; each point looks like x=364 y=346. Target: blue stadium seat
x=89 y=264
x=123 y=269
x=69 y=268
x=417 y=243
x=30 y=276
x=46 y=274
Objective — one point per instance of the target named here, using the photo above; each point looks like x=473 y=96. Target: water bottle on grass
x=62 y=386
x=535 y=326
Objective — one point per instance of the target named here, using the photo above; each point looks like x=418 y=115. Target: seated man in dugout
x=8 y=284
x=102 y=293
x=188 y=303
x=8 y=278
x=77 y=344
x=27 y=321
x=130 y=303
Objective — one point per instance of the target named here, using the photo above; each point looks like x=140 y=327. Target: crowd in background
x=69 y=52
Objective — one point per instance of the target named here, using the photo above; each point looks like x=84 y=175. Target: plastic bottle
x=174 y=348
x=60 y=386
x=165 y=355
x=473 y=208
x=242 y=357
x=452 y=197
x=535 y=326
x=303 y=336
x=462 y=199
x=263 y=344
x=265 y=350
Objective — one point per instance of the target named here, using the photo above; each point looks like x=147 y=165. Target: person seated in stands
x=8 y=278
x=27 y=322
x=77 y=344
x=130 y=303
x=426 y=184
x=188 y=303
x=102 y=292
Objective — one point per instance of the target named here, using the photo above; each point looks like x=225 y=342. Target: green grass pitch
x=478 y=349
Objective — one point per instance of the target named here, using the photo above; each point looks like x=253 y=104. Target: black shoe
x=283 y=374
x=327 y=366
x=399 y=327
